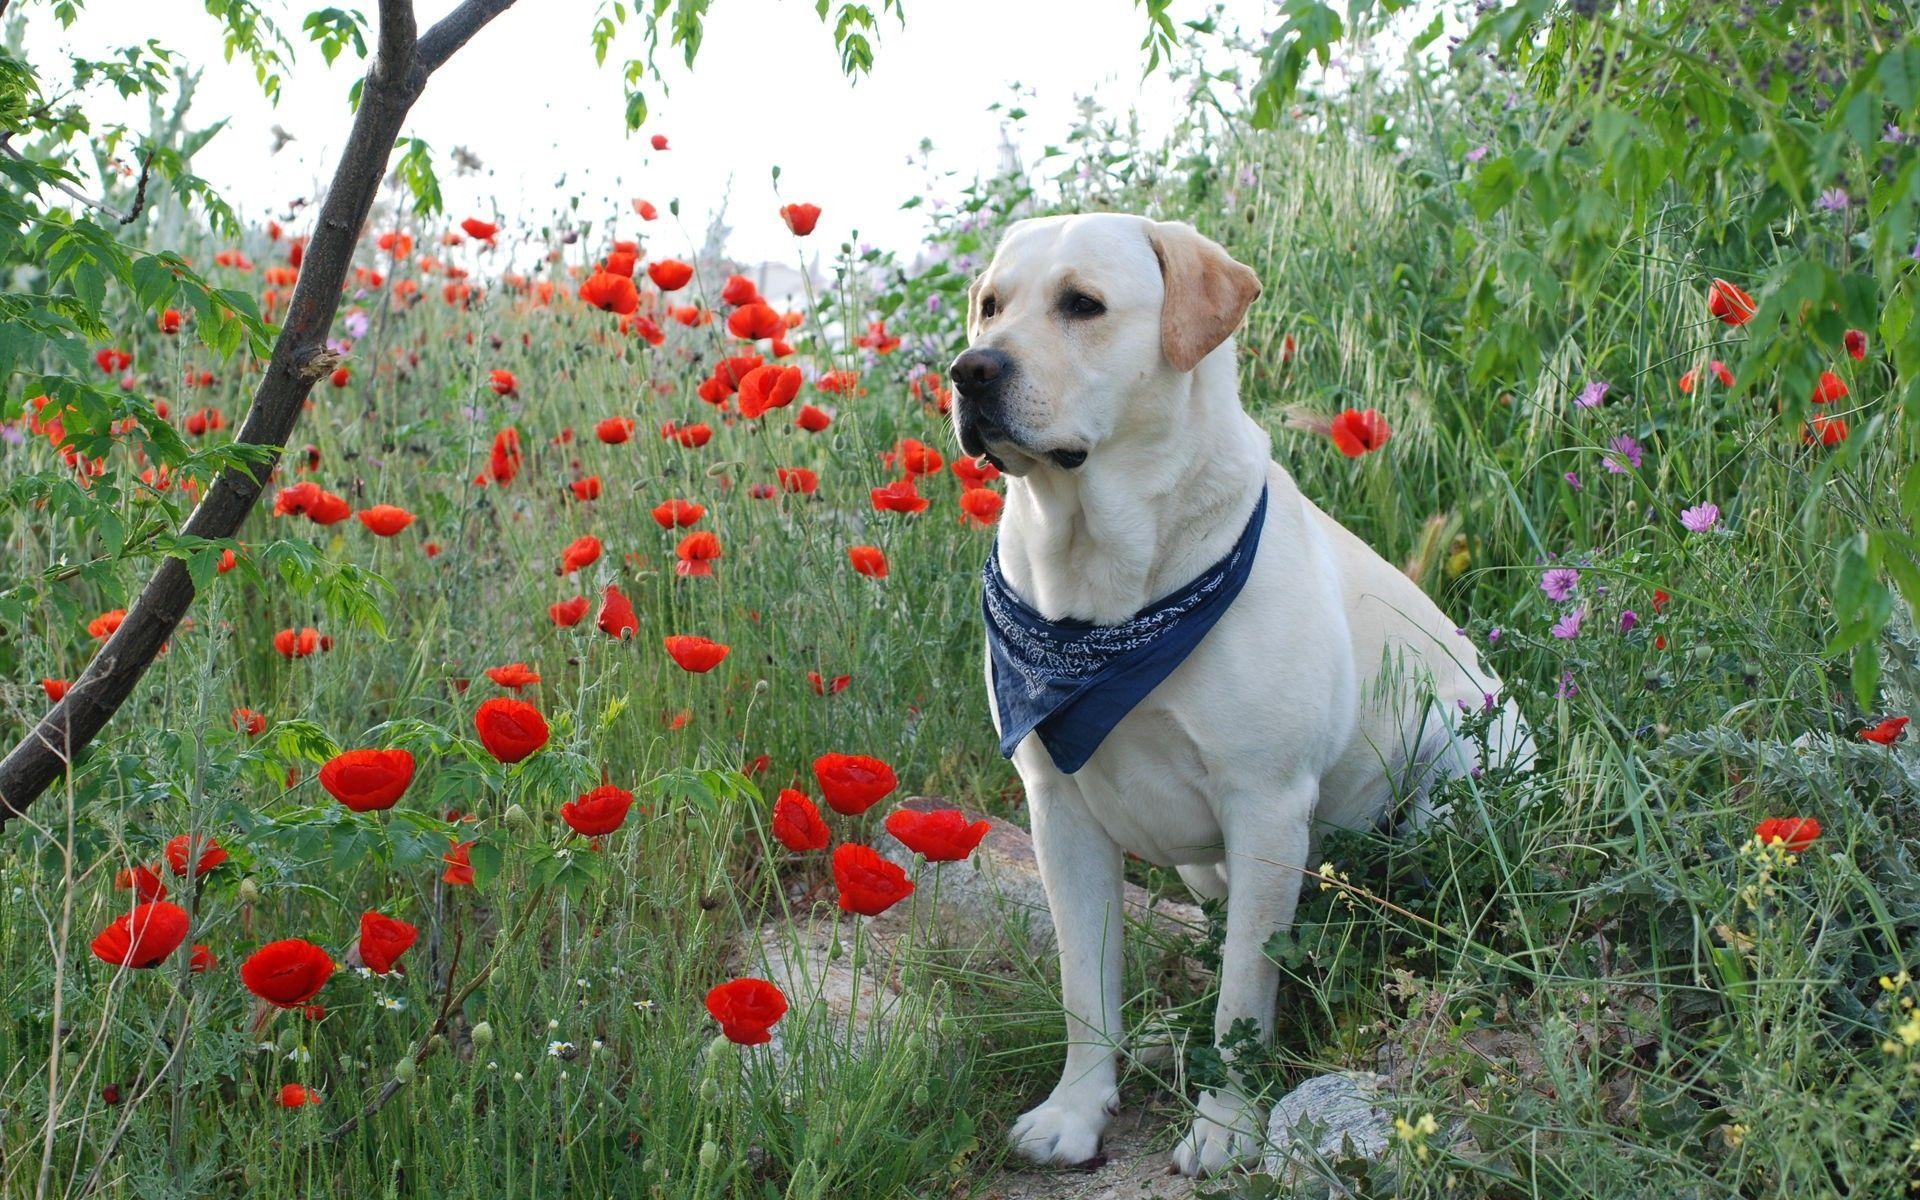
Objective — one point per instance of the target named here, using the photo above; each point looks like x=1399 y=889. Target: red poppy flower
x=670 y=274
x=459 y=870
x=341 y=377
x=916 y=457
x=944 y=835
x=583 y=551
x=513 y=675
x=798 y=480
x=644 y=209
x=822 y=686
x=739 y=290
x=869 y=885
x=201 y=960
x=982 y=505
x=610 y=293
x=599 y=812
x=368 y=780
x=1718 y=369
x=1356 y=432
x=768 y=387
x=812 y=419
x=747 y=1010
x=1795 y=833
x=696 y=553
x=502 y=382
x=695 y=654
x=143 y=938
x=1830 y=388
x=677 y=512
x=297 y=1095
x=504 y=462
x=1856 y=344
x=1825 y=431
x=801 y=218
x=899 y=496
x=658 y=141
x=587 y=489
x=510 y=729
x=853 y=783
x=287 y=973
x=1729 y=303
x=170 y=321
x=383 y=940
x=797 y=823
x=974 y=472
x=1886 y=733
x=617 y=618
x=249 y=722
x=180 y=847
x=56 y=689
x=868 y=561
x=385 y=520
x=755 y=321
x=614 y=430
x=143 y=881
x=103 y=625
x=691 y=436
x=568 y=613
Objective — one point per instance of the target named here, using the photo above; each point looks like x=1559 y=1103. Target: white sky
x=526 y=97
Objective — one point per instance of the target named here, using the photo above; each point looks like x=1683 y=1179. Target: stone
x=843 y=994
x=1321 y=1122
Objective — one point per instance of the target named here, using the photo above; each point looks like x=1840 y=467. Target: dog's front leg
x=1266 y=846
x=1081 y=868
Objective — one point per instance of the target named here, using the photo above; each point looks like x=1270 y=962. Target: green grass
x=1588 y=971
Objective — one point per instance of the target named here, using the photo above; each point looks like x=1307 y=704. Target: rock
x=841 y=1001
x=1323 y=1121
x=997 y=894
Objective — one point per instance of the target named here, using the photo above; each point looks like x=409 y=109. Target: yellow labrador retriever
x=1188 y=660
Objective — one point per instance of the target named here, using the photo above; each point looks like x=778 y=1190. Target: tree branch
x=300 y=358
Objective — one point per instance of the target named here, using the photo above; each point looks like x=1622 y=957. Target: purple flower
x=1248 y=176
x=1493 y=636
x=1628 y=449
x=1628 y=619
x=1593 y=395
x=1573 y=481
x=1834 y=200
x=1559 y=583
x=1568 y=627
x=935 y=303
x=1476 y=154
x=1700 y=518
x=1568 y=689
x=356 y=323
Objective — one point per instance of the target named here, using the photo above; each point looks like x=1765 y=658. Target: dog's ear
x=1207 y=292
x=973 y=303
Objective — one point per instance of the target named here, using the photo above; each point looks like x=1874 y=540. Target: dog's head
x=1079 y=326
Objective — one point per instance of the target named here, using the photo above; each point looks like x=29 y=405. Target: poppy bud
x=516 y=818
x=482 y=1032
x=290 y=1038
x=249 y=890
x=709 y=1156
x=403 y=1070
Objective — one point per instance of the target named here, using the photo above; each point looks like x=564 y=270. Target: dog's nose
x=978 y=371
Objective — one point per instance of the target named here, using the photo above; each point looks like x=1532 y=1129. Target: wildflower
x=459 y=862
x=1627 y=448
x=586 y=489
x=1834 y=199
x=899 y=496
x=368 y=780
x=869 y=885
x=583 y=551
x=1716 y=368
x=981 y=505
x=617 y=618
x=143 y=938
x=614 y=430
x=568 y=613
x=1593 y=395
x=800 y=218
x=142 y=880
x=385 y=520
x=670 y=274
x=1824 y=431
x=1357 y=432
x=853 y=783
x=671 y=513
x=1700 y=518
x=1830 y=388
x=180 y=849
x=297 y=1095
x=1729 y=303
x=868 y=561
x=511 y=730
x=1794 y=833
x=812 y=419
x=1628 y=619
x=288 y=973
x=599 y=812
x=1886 y=732
x=797 y=823
x=1856 y=341
x=611 y=293
x=502 y=382
x=1559 y=583
x=383 y=940
x=797 y=480
x=696 y=655
x=1568 y=626
x=696 y=553
x=514 y=675
x=944 y=835
x=747 y=1010
x=768 y=387
x=974 y=472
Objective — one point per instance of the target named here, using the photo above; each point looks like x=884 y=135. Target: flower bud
x=482 y=1034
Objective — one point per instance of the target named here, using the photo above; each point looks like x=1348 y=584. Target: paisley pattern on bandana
x=1073 y=681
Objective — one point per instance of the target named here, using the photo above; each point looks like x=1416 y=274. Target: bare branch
x=455 y=29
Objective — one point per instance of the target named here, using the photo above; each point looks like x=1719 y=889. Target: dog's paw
x=1225 y=1131
x=1066 y=1129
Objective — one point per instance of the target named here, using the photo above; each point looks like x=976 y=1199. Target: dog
x=1100 y=377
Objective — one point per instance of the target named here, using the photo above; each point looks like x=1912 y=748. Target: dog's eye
x=1079 y=304
x=988 y=307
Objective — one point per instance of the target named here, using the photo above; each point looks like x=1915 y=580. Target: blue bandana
x=1073 y=681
